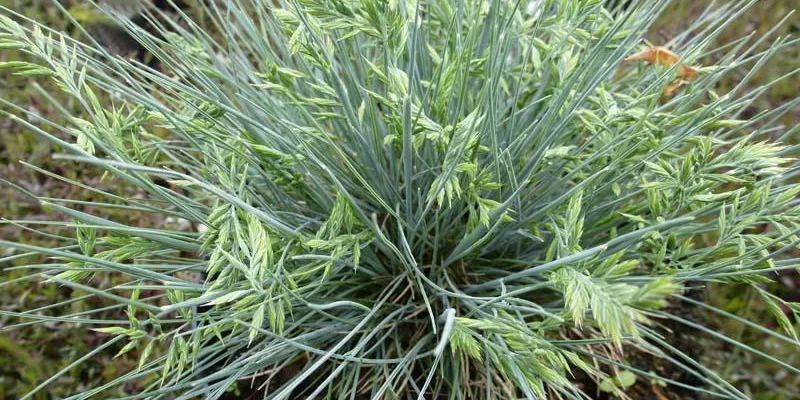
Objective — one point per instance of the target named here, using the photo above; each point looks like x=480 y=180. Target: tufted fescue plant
x=463 y=199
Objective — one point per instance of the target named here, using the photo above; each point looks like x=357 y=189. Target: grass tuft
x=409 y=199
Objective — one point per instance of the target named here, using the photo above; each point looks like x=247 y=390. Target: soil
x=688 y=340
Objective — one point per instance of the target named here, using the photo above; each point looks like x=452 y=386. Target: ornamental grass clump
x=411 y=199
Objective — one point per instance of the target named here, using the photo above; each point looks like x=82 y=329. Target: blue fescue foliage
x=470 y=199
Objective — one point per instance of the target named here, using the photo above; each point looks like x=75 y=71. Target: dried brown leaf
x=665 y=57
x=656 y=55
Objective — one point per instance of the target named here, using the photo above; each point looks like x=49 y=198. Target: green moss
x=45 y=348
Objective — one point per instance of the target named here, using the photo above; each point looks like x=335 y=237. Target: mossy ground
x=28 y=356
